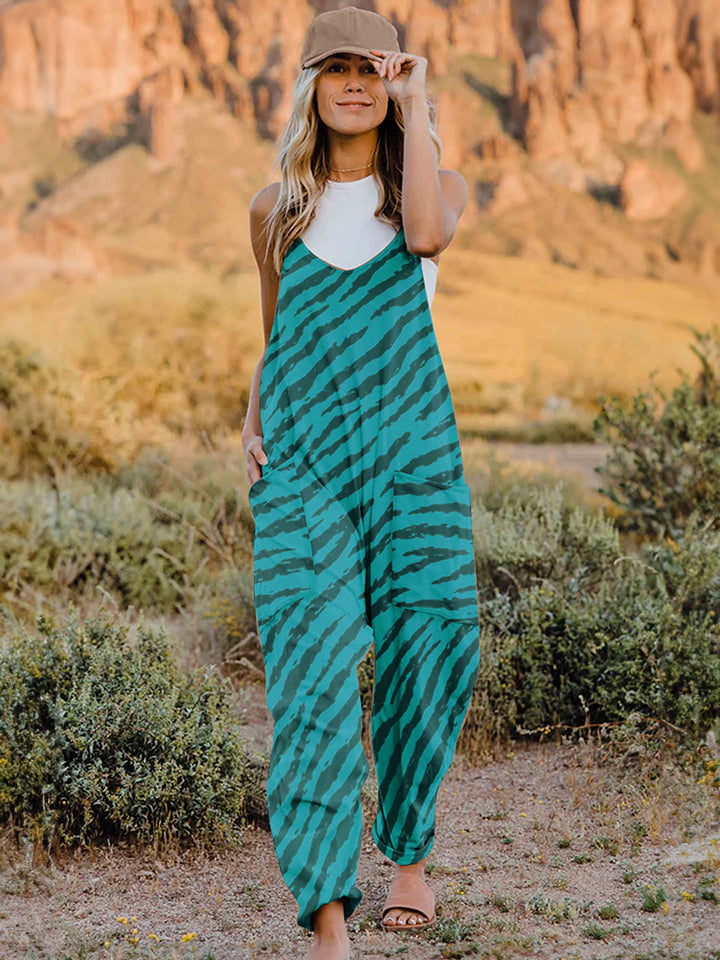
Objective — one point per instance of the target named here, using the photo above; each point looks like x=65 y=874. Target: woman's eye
x=368 y=67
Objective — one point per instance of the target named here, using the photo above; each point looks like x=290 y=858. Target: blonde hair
x=303 y=159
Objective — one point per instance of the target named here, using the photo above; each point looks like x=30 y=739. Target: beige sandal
x=408 y=891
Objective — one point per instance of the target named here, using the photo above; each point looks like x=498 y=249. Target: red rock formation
x=586 y=72
x=78 y=59
x=611 y=74
x=162 y=115
x=587 y=75
x=508 y=192
x=204 y=35
x=681 y=138
x=498 y=146
x=648 y=193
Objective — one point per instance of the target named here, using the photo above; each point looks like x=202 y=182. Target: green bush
x=532 y=536
x=104 y=738
x=665 y=465
x=575 y=632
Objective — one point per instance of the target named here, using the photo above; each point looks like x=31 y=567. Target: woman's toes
x=415 y=918
x=402 y=918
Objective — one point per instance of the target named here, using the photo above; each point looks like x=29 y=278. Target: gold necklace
x=348 y=169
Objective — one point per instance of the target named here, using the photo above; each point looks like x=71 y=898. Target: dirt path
x=527 y=850
x=569 y=459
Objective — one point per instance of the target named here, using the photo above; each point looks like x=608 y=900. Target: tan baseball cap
x=348 y=30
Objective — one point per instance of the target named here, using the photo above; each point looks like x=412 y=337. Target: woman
x=362 y=514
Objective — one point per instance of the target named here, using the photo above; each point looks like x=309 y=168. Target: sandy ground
x=523 y=859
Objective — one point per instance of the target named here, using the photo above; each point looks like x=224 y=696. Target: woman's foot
x=330 y=938
x=397 y=917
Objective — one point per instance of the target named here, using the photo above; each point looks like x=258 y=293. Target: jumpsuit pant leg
x=309 y=597
x=427 y=655
x=425 y=668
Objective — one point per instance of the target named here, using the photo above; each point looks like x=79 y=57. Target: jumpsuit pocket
x=433 y=558
x=282 y=553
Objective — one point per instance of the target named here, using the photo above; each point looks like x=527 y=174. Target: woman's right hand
x=254 y=456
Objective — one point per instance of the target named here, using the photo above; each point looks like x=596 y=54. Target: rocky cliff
x=586 y=71
x=596 y=72
x=587 y=76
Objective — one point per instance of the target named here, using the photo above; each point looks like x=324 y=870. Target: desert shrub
x=230 y=605
x=40 y=427
x=151 y=552
x=573 y=632
x=88 y=534
x=102 y=737
x=532 y=535
x=664 y=464
x=226 y=615
x=206 y=493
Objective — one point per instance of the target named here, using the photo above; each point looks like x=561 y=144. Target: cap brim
x=362 y=51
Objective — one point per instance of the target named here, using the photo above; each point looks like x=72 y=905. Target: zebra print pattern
x=363 y=535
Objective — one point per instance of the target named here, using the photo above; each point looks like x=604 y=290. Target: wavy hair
x=303 y=159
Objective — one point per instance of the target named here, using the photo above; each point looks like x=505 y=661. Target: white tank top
x=345 y=233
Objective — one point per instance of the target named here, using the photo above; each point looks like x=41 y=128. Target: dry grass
x=519 y=332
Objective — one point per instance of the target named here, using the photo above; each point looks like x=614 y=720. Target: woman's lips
x=354 y=106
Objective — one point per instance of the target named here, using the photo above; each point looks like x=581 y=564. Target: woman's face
x=346 y=78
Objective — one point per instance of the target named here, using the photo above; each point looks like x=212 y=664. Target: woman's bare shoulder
x=260 y=207
x=263 y=201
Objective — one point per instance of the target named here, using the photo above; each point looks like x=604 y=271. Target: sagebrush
x=103 y=737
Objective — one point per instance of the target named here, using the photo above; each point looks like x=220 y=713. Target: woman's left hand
x=403 y=73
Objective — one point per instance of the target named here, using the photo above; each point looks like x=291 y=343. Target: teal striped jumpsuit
x=363 y=534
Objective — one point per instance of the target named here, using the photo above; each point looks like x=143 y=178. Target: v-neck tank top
x=345 y=233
